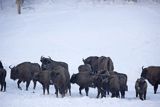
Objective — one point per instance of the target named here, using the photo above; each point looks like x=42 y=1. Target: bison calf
x=141 y=88
x=44 y=78
x=84 y=80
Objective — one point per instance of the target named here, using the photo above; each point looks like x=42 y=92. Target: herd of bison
x=97 y=72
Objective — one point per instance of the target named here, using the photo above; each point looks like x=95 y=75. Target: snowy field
x=68 y=31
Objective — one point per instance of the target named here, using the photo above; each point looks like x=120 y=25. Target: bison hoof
x=20 y=88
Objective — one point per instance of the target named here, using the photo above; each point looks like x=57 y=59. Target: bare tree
x=1 y=4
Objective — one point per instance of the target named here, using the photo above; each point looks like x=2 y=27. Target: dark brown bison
x=152 y=74
x=123 y=83
x=101 y=81
x=44 y=78
x=24 y=72
x=105 y=63
x=93 y=61
x=3 y=74
x=141 y=88
x=61 y=79
x=114 y=85
x=84 y=80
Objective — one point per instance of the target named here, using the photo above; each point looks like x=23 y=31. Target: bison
x=152 y=74
x=61 y=79
x=44 y=78
x=24 y=72
x=3 y=74
x=84 y=80
x=101 y=82
x=114 y=85
x=123 y=83
x=141 y=88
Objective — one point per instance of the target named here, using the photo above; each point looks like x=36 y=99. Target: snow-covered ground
x=68 y=31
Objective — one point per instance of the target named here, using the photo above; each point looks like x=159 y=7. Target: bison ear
x=10 y=67
x=83 y=60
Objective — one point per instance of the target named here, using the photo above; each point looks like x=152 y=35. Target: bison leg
x=141 y=96
x=86 y=90
x=136 y=94
x=43 y=89
x=56 y=91
x=48 y=89
x=155 y=88
x=34 y=87
x=123 y=94
x=113 y=94
x=18 y=83
x=98 y=93
x=1 y=86
x=80 y=88
x=145 y=95
x=4 y=86
x=69 y=87
x=103 y=93
x=27 y=85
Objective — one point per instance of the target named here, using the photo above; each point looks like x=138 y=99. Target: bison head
x=144 y=72
x=73 y=78
x=14 y=73
x=45 y=62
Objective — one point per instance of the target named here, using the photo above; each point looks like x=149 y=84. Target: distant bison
x=44 y=78
x=152 y=74
x=101 y=81
x=61 y=79
x=24 y=72
x=123 y=83
x=114 y=85
x=141 y=88
x=59 y=74
x=2 y=77
x=84 y=80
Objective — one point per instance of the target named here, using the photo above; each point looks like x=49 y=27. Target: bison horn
x=42 y=57
x=142 y=68
x=10 y=67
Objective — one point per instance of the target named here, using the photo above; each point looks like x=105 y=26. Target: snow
x=71 y=30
